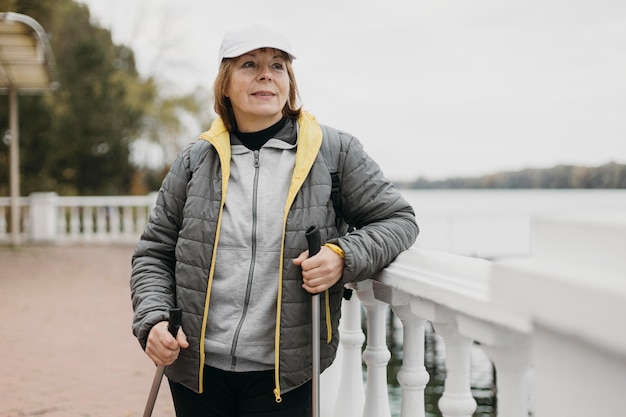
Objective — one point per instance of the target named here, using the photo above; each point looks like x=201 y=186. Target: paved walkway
x=66 y=346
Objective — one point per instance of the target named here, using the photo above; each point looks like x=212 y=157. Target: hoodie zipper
x=246 y=304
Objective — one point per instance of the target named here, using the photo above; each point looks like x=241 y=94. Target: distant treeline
x=611 y=175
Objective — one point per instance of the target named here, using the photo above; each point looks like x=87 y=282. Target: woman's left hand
x=320 y=272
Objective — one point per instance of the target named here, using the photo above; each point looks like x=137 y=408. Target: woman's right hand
x=162 y=348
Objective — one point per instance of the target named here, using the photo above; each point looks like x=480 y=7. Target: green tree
x=77 y=139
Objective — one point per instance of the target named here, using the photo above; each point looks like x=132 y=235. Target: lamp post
x=14 y=157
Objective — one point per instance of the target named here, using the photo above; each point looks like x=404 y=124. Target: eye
x=278 y=66
x=248 y=64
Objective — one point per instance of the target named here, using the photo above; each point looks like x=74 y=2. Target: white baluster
x=74 y=222
x=376 y=354
x=128 y=225
x=351 y=395
x=26 y=223
x=87 y=223
x=457 y=400
x=62 y=223
x=142 y=219
x=512 y=364
x=3 y=222
x=413 y=376
x=101 y=223
x=114 y=222
x=509 y=350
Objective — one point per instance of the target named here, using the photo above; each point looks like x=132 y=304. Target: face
x=258 y=89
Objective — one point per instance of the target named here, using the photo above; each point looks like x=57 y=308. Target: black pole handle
x=175 y=319
x=313 y=238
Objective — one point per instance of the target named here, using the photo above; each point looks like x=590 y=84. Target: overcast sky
x=433 y=88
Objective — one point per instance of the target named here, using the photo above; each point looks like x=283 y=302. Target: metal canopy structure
x=26 y=60
x=26 y=66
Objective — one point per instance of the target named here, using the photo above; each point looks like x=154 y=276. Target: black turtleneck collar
x=255 y=140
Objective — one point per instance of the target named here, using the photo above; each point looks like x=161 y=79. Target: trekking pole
x=173 y=326
x=313 y=238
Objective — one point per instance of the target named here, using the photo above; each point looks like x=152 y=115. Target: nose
x=265 y=74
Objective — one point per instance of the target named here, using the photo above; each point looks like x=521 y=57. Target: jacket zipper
x=246 y=304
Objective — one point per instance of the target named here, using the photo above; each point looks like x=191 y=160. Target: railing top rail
x=22 y=201
x=460 y=283
x=105 y=201
x=87 y=201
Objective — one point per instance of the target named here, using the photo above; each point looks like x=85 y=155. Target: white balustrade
x=419 y=286
x=49 y=218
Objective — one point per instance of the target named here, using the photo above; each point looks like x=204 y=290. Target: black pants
x=240 y=394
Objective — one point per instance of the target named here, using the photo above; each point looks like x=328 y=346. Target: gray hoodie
x=240 y=334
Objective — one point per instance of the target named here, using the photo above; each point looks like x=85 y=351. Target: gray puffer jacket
x=172 y=265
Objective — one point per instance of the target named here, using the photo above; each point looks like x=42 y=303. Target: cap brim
x=235 y=52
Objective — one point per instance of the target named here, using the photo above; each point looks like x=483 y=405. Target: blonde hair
x=222 y=104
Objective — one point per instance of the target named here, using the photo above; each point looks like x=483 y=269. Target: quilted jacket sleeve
x=153 y=264
x=385 y=222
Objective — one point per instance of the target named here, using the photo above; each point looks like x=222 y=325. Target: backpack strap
x=331 y=151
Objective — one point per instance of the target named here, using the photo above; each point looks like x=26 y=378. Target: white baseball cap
x=238 y=42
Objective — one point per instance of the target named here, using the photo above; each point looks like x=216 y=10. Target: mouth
x=263 y=94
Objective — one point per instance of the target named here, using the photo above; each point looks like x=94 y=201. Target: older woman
x=226 y=242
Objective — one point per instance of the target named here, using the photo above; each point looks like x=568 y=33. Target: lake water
x=493 y=223
x=490 y=224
